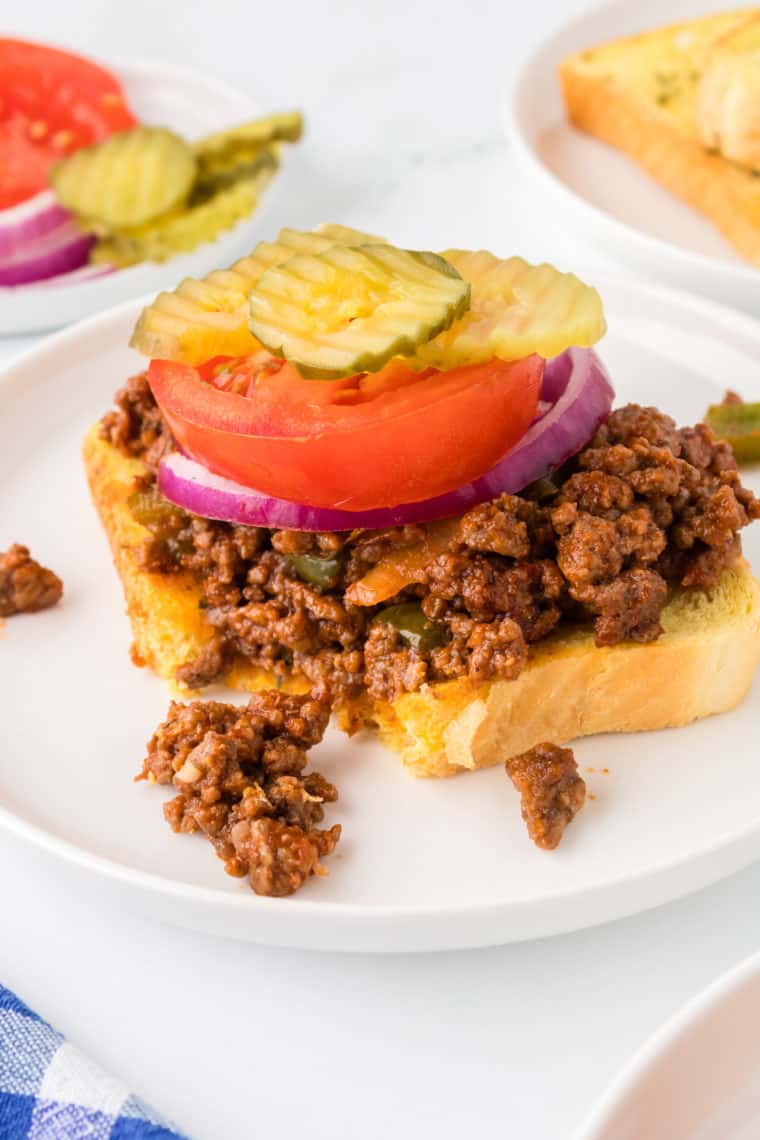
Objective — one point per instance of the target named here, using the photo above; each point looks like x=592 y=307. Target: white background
x=234 y=1041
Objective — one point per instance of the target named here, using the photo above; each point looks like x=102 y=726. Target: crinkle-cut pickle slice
x=127 y=179
x=181 y=230
x=516 y=309
x=206 y=318
x=350 y=309
x=739 y=425
x=260 y=162
x=286 y=126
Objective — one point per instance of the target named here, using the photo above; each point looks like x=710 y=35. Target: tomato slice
x=51 y=103
x=395 y=437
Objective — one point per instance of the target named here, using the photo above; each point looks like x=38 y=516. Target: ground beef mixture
x=239 y=774
x=25 y=586
x=551 y=790
x=642 y=508
x=135 y=425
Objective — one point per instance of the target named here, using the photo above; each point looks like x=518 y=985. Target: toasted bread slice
x=168 y=625
x=641 y=95
x=703 y=663
x=728 y=103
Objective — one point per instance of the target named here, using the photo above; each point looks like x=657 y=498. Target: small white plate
x=424 y=864
x=602 y=194
x=698 y=1078
x=161 y=95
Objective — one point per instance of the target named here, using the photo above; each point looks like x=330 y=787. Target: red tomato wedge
x=379 y=440
x=51 y=103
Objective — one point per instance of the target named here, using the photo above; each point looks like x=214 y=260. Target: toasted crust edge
x=703 y=664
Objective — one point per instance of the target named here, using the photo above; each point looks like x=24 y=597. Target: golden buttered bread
x=703 y=664
x=658 y=96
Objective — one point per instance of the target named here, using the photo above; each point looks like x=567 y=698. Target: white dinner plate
x=698 y=1078
x=193 y=105
x=603 y=195
x=423 y=864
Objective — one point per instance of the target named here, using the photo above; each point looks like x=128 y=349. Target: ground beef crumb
x=629 y=607
x=25 y=586
x=552 y=792
x=136 y=425
x=239 y=772
x=207 y=667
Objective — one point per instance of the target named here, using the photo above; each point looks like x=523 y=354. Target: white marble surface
x=236 y=1041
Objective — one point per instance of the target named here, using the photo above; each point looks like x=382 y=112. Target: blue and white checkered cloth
x=51 y=1091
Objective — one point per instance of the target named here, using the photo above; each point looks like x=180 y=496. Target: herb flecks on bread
x=657 y=95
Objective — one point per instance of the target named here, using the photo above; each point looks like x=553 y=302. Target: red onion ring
x=58 y=251
x=580 y=395
x=29 y=221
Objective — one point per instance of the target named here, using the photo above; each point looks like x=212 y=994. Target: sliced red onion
x=581 y=393
x=58 y=251
x=556 y=375
x=29 y=220
x=581 y=400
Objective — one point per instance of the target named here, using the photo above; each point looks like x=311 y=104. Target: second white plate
x=423 y=864
x=698 y=1078
x=602 y=194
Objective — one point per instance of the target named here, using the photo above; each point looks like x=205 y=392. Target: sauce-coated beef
x=240 y=781
x=25 y=586
x=642 y=508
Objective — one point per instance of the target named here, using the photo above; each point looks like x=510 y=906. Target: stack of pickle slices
x=336 y=302
x=148 y=194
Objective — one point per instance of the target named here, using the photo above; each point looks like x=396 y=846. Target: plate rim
x=674 y=1029
x=658 y=248
x=735 y=849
